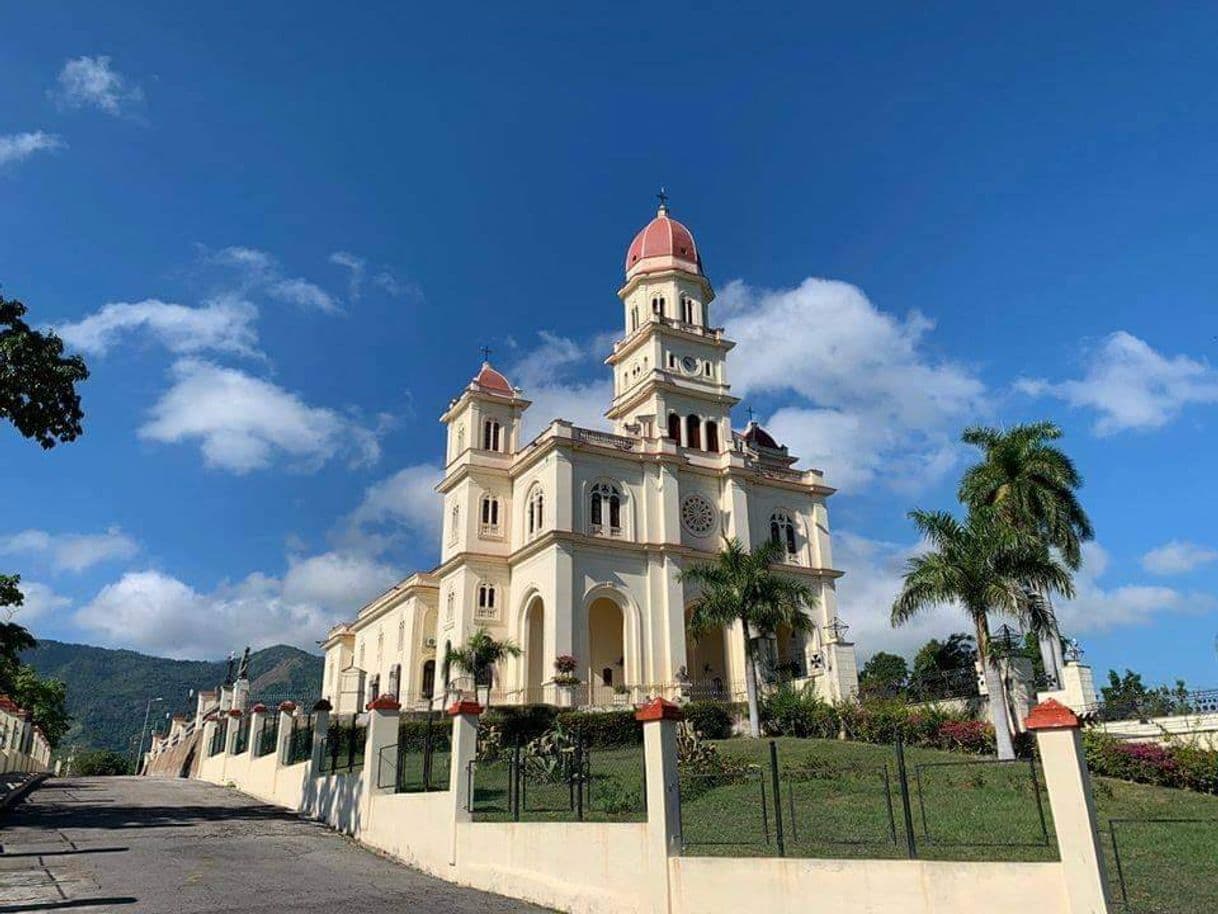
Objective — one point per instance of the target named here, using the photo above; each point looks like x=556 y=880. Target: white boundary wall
x=598 y=868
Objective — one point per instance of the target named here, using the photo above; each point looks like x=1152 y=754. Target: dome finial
x=486 y=355
x=662 y=196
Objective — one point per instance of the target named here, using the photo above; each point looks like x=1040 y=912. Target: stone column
x=321 y=723
x=464 y=750
x=660 y=719
x=258 y=717
x=380 y=763
x=1069 y=787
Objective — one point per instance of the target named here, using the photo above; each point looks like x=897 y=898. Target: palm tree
x=984 y=565
x=478 y=657
x=740 y=585
x=1032 y=485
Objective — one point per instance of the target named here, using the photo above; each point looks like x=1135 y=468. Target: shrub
x=603 y=729
x=520 y=722
x=790 y=711
x=1150 y=763
x=711 y=719
x=973 y=736
x=98 y=762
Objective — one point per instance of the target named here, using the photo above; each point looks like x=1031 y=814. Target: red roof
x=664 y=237
x=756 y=435
x=493 y=382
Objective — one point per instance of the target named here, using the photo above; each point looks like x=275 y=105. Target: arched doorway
x=534 y=651
x=427 y=685
x=606 y=649
x=706 y=654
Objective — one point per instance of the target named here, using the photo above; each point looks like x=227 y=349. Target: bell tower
x=669 y=368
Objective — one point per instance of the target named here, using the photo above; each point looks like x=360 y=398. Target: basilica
x=571 y=545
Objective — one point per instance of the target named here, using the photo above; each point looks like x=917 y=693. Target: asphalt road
x=153 y=845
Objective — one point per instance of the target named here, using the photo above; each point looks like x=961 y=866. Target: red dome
x=758 y=436
x=663 y=244
x=493 y=382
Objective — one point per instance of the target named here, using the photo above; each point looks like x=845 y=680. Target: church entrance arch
x=606 y=649
x=706 y=653
x=533 y=648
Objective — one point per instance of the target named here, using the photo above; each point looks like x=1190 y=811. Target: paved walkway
x=153 y=845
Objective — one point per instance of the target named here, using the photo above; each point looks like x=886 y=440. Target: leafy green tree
x=884 y=674
x=99 y=763
x=37 y=381
x=983 y=565
x=944 y=669
x=1129 y=696
x=46 y=700
x=741 y=586
x=479 y=654
x=1032 y=484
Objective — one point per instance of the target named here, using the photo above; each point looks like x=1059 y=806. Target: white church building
x=571 y=545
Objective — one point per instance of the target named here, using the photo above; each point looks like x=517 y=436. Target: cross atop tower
x=662 y=196
x=486 y=353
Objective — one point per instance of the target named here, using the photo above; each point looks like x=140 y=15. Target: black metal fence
x=219 y=737
x=1164 y=866
x=421 y=759
x=242 y=741
x=555 y=778
x=343 y=746
x=300 y=742
x=268 y=737
x=842 y=804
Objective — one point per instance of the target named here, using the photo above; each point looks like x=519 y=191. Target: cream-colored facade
x=573 y=543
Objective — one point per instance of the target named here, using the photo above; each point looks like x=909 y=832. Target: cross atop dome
x=662 y=196
x=663 y=244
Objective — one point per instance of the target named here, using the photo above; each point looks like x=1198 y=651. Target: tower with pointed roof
x=572 y=545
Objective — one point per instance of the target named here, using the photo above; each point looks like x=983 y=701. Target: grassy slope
x=108 y=689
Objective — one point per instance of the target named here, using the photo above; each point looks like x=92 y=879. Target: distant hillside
x=108 y=690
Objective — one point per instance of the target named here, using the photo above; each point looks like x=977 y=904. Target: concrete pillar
x=1078 y=684
x=287 y=717
x=380 y=761
x=226 y=698
x=321 y=723
x=1069 y=786
x=241 y=694
x=230 y=737
x=660 y=719
x=464 y=750
x=258 y=718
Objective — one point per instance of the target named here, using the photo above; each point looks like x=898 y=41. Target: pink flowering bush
x=1150 y=763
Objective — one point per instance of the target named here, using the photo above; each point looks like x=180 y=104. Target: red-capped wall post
x=1068 y=783
x=660 y=719
x=461 y=774
x=380 y=752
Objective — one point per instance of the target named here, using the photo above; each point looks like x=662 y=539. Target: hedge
x=710 y=719
x=604 y=729
x=1179 y=766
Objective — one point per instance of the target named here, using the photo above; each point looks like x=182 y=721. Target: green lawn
x=834 y=795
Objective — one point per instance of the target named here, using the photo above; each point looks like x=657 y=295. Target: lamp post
x=139 y=750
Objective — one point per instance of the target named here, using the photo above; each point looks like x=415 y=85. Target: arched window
x=460 y=440
x=712 y=436
x=657 y=305
x=454 y=524
x=486 y=602
x=674 y=427
x=605 y=512
x=687 y=309
x=693 y=431
x=490 y=514
x=395 y=681
x=782 y=531
x=536 y=512
x=634 y=319
x=428 y=686
x=491 y=433
x=374 y=688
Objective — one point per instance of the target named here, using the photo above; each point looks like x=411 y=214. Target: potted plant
x=621 y=694
x=565 y=679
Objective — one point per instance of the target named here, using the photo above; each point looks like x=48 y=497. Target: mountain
x=108 y=690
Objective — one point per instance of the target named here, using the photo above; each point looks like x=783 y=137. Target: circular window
x=690 y=364
x=698 y=515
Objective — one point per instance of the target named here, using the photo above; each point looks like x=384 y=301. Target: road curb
x=15 y=795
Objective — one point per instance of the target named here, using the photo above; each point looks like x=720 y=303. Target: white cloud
x=155 y=612
x=355 y=266
x=38 y=601
x=1177 y=557
x=552 y=375
x=261 y=271
x=406 y=501
x=14 y=147
x=874 y=571
x=223 y=324
x=872 y=403
x=90 y=82
x=243 y=423
x=71 y=551
x=1132 y=386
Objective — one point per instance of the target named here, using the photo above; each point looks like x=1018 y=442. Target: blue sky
x=280 y=235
